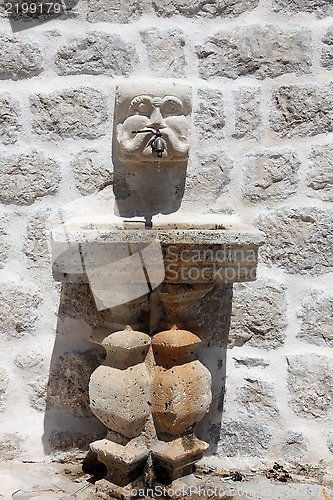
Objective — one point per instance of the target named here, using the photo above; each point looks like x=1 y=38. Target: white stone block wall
x=261 y=147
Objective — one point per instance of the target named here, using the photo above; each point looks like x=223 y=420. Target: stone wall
x=261 y=146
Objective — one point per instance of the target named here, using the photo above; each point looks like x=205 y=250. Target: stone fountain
x=156 y=266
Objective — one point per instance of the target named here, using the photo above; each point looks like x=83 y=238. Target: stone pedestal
x=152 y=390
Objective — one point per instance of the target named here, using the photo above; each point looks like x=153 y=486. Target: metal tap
x=157 y=142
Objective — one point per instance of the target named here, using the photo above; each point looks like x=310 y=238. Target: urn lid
x=175 y=338
x=127 y=339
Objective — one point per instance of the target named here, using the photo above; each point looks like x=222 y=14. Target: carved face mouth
x=155 y=138
x=175 y=146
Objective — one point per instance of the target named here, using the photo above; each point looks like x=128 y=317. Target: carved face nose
x=156 y=119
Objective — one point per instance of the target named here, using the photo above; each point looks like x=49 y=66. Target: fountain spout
x=157 y=143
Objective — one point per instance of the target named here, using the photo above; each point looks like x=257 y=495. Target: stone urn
x=181 y=398
x=120 y=395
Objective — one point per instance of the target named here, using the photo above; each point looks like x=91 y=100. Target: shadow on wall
x=69 y=423
x=216 y=315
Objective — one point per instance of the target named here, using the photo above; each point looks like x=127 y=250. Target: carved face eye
x=141 y=105
x=171 y=106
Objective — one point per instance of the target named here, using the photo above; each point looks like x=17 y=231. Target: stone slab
x=211 y=248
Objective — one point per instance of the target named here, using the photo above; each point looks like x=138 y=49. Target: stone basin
x=187 y=248
x=125 y=258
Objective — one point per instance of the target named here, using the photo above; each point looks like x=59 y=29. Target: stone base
x=125 y=463
x=138 y=489
x=184 y=487
x=177 y=458
x=106 y=489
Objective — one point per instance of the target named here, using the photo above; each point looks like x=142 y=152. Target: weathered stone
x=209 y=310
x=210 y=178
x=35 y=244
x=327 y=51
x=251 y=362
x=197 y=8
x=209 y=119
x=259 y=51
x=92 y=171
x=10 y=446
x=77 y=302
x=310 y=382
x=181 y=397
x=320 y=176
x=9 y=119
x=3 y=241
x=18 y=58
x=319 y=7
x=29 y=358
x=178 y=373
x=117 y=12
x=256 y=397
x=330 y=442
x=67 y=440
x=294 y=447
x=247 y=113
x=18 y=310
x=76 y=113
x=165 y=50
x=270 y=174
x=4 y=380
x=51 y=34
x=25 y=177
x=124 y=379
x=37 y=392
x=258 y=315
x=243 y=439
x=298 y=240
x=161 y=105
x=128 y=383
x=96 y=53
x=69 y=382
x=316 y=312
x=302 y=110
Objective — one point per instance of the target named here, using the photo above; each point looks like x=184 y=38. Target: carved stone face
x=162 y=107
